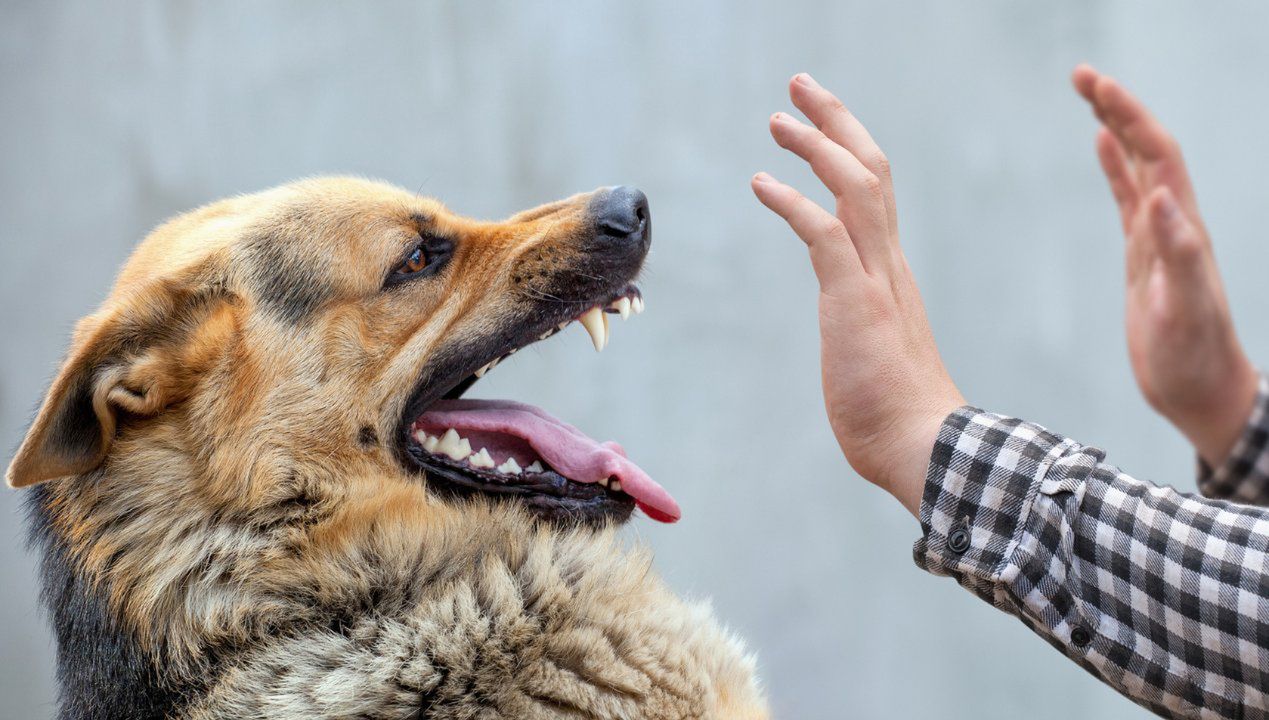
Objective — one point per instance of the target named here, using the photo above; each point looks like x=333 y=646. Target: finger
x=840 y=171
x=1123 y=184
x=1146 y=139
x=1141 y=134
x=857 y=191
x=1084 y=78
x=833 y=119
x=833 y=255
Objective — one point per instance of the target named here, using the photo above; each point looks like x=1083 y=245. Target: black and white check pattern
x=1162 y=595
x=1244 y=476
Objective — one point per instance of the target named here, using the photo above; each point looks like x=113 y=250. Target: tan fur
x=243 y=514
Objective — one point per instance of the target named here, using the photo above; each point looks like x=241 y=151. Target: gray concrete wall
x=115 y=115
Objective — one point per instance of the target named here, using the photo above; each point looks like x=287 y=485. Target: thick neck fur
x=324 y=596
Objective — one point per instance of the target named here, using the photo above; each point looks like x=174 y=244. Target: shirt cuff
x=984 y=473
x=1244 y=475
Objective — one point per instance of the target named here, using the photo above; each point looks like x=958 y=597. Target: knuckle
x=871 y=185
x=832 y=229
x=1188 y=247
x=879 y=164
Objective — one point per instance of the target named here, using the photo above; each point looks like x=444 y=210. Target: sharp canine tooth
x=615 y=485
x=623 y=307
x=481 y=459
x=593 y=321
x=453 y=445
x=430 y=443
x=481 y=372
x=535 y=467
x=510 y=467
x=637 y=305
x=607 y=331
x=604 y=482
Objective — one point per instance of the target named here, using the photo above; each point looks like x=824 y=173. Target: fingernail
x=763 y=178
x=805 y=79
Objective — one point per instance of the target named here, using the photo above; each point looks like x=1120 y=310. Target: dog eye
x=426 y=258
x=416 y=262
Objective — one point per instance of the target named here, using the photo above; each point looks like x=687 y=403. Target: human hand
x=885 y=386
x=1181 y=340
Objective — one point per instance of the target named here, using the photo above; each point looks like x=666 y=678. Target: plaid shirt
x=1162 y=595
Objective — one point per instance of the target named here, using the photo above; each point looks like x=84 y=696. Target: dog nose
x=622 y=214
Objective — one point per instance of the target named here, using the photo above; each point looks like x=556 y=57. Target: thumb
x=1178 y=240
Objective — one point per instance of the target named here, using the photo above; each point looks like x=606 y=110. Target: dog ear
x=133 y=361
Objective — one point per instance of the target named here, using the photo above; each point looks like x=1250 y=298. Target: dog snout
x=621 y=214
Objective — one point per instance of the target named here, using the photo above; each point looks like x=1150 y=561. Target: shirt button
x=1081 y=637
x=958 y=538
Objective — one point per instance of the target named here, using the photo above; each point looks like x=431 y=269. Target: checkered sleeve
x=1162 y=595
x=1244 y=476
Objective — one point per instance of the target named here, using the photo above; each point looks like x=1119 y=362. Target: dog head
x=327 y=329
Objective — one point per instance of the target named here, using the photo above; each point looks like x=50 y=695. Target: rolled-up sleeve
x=1244 y=476
x=1162 y=595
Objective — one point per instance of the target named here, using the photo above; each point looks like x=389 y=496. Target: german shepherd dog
x=258 y=494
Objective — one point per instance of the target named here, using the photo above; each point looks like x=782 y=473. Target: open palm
x=1181 y=340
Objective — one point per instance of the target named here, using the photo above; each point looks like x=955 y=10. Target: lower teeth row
x=452 y=445
x=458 y=448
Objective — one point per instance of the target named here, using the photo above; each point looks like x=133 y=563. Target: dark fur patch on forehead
x=289 y=282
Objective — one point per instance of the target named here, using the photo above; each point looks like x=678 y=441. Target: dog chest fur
x=483 y=616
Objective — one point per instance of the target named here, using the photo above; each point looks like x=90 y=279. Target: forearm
x=1155 y=592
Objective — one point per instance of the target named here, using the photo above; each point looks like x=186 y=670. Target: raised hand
x=885 y=386
x=1181 y=340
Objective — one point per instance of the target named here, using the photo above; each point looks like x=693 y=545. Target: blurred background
x=116 y=115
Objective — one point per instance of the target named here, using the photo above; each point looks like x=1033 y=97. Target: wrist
x=1214 y=429
x=904 y=476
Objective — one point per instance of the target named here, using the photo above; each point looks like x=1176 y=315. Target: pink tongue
x=568 y=450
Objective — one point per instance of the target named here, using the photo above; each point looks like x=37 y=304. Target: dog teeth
x=429 y=442
x=615 y=485
x=457 y=448
x=481 y=459
x=593 y=321
x=489 y=366
x=636 y=304
x=604 y=482
x=622 y=306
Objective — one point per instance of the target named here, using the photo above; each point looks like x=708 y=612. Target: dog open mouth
x=515 y=450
